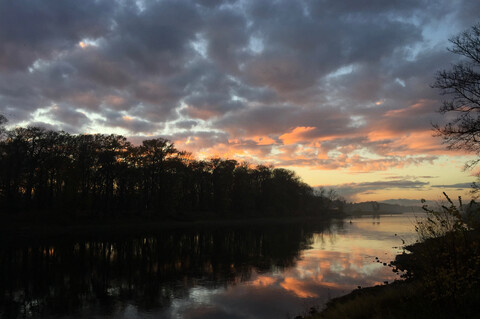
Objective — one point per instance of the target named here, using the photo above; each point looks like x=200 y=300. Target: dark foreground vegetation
x=105 y=176
x=441 y=273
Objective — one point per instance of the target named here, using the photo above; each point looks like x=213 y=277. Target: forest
x=106 y=176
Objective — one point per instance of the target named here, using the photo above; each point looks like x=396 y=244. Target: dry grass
x=395 y=301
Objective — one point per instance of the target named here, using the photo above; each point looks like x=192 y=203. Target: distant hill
x=406 y=202
x=378 y=208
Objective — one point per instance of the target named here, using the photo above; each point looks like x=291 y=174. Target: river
x=249 y=271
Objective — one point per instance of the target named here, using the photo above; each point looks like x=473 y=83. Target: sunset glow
x=338 y=92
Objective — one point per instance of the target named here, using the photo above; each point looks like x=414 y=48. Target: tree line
x=107 y=176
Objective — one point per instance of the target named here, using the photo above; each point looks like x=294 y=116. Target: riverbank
x=402 y=299
x=431 y=290
x=29 y=226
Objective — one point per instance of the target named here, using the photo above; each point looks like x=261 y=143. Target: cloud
x=390 y=184
x=48 y=29
x=327 y=84
x=406 y=202
x=296 y=135
x=351 y=190
x=457 y=186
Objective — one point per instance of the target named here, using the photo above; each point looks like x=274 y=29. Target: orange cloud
x=263 y=281
x=420 y=107
x=296 y=135
x=114 y=100
x=256 y=140
x=263 y=140
x=201 y=113
x=297 y=287
x=419 y=142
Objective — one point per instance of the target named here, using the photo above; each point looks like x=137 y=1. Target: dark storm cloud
x=46 y=126
x=284 y=118
x=100 y=69
x=69 y=115
x=304 y=44
x=32 y=30
x=156 y=39
x=130 y=124
x=212 y=94
x=323 y=75
x=65 y=51
x=186 y=124
x=227 y=35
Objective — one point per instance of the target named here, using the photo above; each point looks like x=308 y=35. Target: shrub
x=447 y=260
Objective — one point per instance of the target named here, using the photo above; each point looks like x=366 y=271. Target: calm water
x=223 y=272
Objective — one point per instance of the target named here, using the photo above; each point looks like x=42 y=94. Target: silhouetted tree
x=154 y=154
x=105 y=176
x=244 y=190
x=461 y=87
x=3 y=120
x=222 y=182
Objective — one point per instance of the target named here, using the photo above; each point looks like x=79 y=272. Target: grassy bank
x=402 y=299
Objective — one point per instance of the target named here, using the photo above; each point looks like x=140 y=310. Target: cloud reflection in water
x=336 y=263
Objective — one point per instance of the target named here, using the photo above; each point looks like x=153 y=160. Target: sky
x=339 y=91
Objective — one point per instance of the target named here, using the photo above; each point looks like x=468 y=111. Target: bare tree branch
x=460 y=87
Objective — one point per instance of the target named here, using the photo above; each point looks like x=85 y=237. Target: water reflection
x=100 y=275
x=235 y=272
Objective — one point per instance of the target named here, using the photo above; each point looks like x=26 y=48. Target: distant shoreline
x=363 y=214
